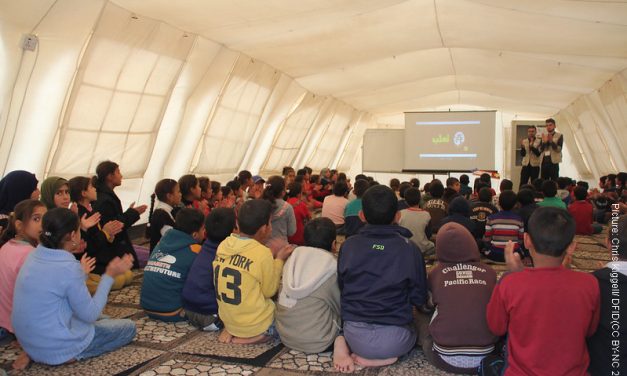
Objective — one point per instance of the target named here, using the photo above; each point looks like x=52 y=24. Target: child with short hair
x=612 y=280
x=161 y=216
x=247 y=275
x=436 y=206
x=308 y=309
x=199 y=292
x=563 y=305
x=549 y=191
x=98 y=238
x=527 y=203
x=582 y=212
x=465 y=189
x=169 y=265
x=18 y=240
x=55 y=318
x=296 y=197
x=334 y=205
x=352 y=222
x=481 y=209
x=452 y=189
x=417 y=221
x=503 y=227
x=459 y=212
x=381 y=275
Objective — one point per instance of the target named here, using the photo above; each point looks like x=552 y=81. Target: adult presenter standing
x=551 y=147
x=531 y=156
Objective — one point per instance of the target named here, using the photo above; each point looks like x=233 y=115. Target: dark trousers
x=528 y=174
x=550 y=170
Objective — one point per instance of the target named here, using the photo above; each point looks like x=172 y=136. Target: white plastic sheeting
x=213 y=87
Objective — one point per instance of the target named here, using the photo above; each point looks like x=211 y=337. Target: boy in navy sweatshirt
x=199 y=293
x=381 y=275
x=168 y=266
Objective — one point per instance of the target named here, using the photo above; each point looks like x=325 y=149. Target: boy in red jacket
x=582 y=212
x=546 y=311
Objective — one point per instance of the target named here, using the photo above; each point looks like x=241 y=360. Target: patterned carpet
x=179 y=349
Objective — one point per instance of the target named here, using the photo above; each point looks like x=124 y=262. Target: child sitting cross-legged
x=247 y=275
x=199 y=293
x=546 y=311
x=381 y=276
x=169 y=265
x=308 y=310
x=55 y=318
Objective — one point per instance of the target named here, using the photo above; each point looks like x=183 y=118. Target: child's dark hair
x=205 y=183
x=189 y=220
x=486 y=178
x=360 y=187
x=537 y=183
x=395 y=184
x=459 y=205
x=220 y=224
x=253 y=215
x=563 y=182
x=507 y=200
x=551 y=230
x=215 y=187
x=415 y=182
x=379 y=205
x=314 y=179
x=412 y=196
x=22 y=212
x=581 y=193
x=584 y=184
x=436 y=189
x=226 y=190
x=528 y=186
x=525 y=197
x=464 y=179
x=549 y=188
x=294 y=189
x=320 y=233
x=274 y=189
x=287 y=170
x=104 y=169
x=427 y=187
x=360 y=176
x=163 y=187
x=300 y=179
x=340 y=188
x=187 y=183
x=56 y=227
x=451 y=182
x=404 y=187
x=301 y=172
x=506 y=185
x=77 y=186
x=243 y=177
x=485 y=194
x=234 y=185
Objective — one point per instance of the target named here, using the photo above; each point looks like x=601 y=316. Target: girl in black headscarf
x=16 y=186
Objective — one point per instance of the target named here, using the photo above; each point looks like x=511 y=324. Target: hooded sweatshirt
x=461 y=287
x=246 y=277
x=49 y=188
x=308 y=310
x=166 y=272
x=381 y=275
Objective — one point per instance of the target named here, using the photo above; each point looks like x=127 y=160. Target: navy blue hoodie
x=381 y=274
x=199 y=293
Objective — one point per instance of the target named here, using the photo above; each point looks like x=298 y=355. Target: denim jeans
x=109 y=335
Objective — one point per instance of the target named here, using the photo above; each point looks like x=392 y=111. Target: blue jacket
x=166 y=272
x=381 y=274
x=53 y=313
x=199 y=293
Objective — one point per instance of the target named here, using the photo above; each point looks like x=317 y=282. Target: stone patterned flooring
x=179 y=349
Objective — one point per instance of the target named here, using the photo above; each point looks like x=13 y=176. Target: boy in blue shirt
x=168 y=266
x=381 y=275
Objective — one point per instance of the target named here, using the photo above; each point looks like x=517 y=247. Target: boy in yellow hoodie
x=247 y=275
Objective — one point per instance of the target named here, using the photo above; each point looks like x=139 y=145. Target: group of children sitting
x=233 y=266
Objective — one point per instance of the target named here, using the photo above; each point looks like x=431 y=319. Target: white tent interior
x=212 y=87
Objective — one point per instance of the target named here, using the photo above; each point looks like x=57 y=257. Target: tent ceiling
x=386 y=56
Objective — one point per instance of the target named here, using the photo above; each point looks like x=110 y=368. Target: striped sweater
x=501 y=228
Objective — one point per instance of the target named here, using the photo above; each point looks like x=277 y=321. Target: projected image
x=464 y=141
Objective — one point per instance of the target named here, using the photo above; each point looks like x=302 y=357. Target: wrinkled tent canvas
x=212 y=87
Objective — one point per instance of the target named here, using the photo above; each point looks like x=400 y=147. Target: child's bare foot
x=225 y=336
x=252 y=340
x=372 y=362
x=342 y=360
x=22 y=361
